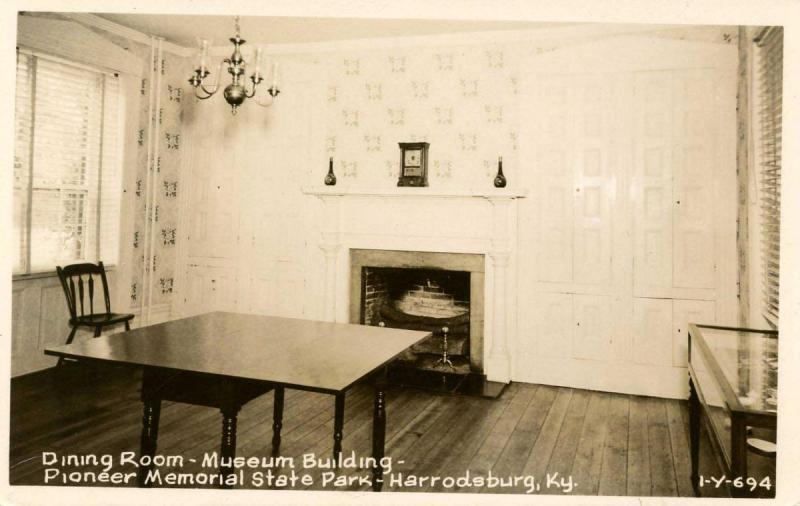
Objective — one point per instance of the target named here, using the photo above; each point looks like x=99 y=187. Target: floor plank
x=679 y=442
x=589 y=453
x=662 y=470
x=614 y=469
x=482 y=420
x=638 y=449
x=484 y=460
x=563 y=456
x=610 y=444
x=520 y=444
x=539 y=458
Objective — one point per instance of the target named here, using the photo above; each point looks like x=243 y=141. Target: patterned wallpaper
x=164 y=168
x=460 y=99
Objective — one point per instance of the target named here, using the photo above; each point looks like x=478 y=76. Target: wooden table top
x=308 y=354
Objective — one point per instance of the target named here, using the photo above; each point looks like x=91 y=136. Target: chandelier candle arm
x=236 y=92
x=214 y=87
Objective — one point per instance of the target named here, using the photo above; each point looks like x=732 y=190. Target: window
x=66 y=164
x=769 y=100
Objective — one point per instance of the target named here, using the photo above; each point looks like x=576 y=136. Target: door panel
x=674 y=180
x=556 y=325
x=652 y=180
x=652 y=338
x=592 y=327
x=594 y=156
x=273 y=225
x=693 y=182
x=213 y=231
x=209 y=288
x=555 y=193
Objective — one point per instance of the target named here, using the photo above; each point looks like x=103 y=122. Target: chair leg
x=70 y=337
x=97 y=331
x=127 y=325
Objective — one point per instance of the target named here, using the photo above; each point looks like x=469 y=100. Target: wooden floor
x=609 y=444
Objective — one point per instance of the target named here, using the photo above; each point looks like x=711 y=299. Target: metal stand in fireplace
x=443 y=373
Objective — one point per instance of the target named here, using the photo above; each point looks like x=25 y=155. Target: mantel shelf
x=496 y=193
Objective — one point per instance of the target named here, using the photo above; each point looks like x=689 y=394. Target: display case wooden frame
x=413 y=164
x=733 y=463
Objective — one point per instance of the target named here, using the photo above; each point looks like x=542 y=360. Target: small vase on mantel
x=330 y=177
x=500 y=179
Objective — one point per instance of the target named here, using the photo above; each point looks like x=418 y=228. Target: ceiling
x=184 y=30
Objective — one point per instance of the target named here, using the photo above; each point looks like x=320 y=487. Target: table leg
x=694 y=436
x=228 y=446
x=338 y=424
x=738 y=454
x=277 y=419
x=379 y=431
x=150 y=418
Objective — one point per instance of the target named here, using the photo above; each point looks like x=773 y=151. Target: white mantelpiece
x=427 y=219
x=405 y=191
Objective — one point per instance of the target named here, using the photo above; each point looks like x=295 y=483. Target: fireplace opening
x=433 y=300
x=427 y=291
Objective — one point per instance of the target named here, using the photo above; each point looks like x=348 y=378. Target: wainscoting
x=40 y=318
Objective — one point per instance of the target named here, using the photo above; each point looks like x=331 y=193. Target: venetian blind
x=67 y=177
x=769 y=78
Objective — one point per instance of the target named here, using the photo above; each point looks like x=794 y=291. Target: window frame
x=95 y=220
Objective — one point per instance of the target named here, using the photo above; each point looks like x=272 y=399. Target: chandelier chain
x=236 y=22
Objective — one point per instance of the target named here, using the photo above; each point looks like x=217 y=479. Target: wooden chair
x=78 y=282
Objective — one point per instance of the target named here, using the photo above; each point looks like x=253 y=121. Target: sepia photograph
x=293 y=254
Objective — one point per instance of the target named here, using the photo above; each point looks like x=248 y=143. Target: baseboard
x=158 y=313
x=635 y=379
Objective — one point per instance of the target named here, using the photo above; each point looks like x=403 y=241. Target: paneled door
x=248 y=241
x=274 y=228
x=674 y=183
x=630 y=217
x=208 y=278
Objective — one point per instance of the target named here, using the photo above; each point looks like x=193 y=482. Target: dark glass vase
x=330 y=177
x=500 y=179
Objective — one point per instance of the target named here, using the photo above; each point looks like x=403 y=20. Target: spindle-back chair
x=79 y=284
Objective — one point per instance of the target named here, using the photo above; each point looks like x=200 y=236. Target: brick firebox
x=364 y=302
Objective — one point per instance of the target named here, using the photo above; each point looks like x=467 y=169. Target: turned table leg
x=150 y=418
x=228 y=445
x=338 y=424
x=277 y=419
x=379 y=431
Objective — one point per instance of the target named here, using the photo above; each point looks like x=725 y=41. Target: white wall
x=605 y=311
x=248 y=232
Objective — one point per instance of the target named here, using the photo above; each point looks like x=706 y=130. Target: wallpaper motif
x=460 y=99
x=164 y=167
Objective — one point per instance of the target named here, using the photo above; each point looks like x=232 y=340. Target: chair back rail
x=78 y=282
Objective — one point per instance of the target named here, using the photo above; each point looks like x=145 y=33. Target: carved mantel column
x=499 y=363
x=330 y=245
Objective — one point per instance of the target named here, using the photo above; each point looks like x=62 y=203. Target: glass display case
x=733 y=384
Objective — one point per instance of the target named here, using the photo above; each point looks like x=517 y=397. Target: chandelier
x=236 y=92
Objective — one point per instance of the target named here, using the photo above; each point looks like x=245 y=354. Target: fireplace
x=442 y=293
x=473 y=231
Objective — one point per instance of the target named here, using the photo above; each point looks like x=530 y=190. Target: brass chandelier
x=236 y=92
